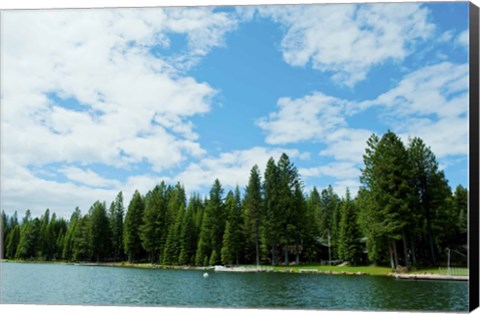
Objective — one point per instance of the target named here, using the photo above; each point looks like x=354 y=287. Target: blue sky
x=100 y=101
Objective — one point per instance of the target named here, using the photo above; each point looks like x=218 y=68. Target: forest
x=405 y=214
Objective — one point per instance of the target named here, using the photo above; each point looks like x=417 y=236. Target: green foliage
x=99 y=230
x=233 y=237
x=405 y=213
x=133 y=224
x=349 y=235
x=253 y=212
x=116 y=217
x=460 y=205
x=213 y=226
x=154 y=229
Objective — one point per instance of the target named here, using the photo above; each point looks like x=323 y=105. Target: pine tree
x=329 y=219
x=460 y=204
x=133 y=223
x=5 y=231
x=272 y=220
x=154 y=228
x=232 y=239
x=82 y=250
x=99 y=230
x=175 y=213
x=68 y=242
x=387 y=176
x=349 y=236
x=189 y=234
x=213 y=226
x=12 y=242
x=312 y=230
x=117 y=212
x=253 y=209
x=44 y=239
x=431 y=190
x=29 y=233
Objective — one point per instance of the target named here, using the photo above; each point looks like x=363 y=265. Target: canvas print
x=273 y=156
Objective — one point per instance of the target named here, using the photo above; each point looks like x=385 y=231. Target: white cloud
x=347 y=144
x=88 y=177
x=230 y=168
x=22 y=190
x=101 y=58
x=133 y=107
x=463 y=38
x=440 y=89
x=349 y=39
x=431 y=103
x=312 y=117
x=339 y=170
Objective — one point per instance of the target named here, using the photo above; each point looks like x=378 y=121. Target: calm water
x=69 y=284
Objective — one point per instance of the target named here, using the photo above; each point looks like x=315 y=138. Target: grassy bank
x=306 y=268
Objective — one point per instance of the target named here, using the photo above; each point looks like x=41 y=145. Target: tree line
x=405 y=213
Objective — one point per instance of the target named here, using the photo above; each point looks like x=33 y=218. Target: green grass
x=370 y=270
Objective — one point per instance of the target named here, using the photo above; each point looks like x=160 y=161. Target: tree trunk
x=405 y=249
x=414 y=258
x=273 y=255
x=395 y=254
x=286 y=249
x=430 y=240
x=390 y=250
x=257 y=249
x=297 y=253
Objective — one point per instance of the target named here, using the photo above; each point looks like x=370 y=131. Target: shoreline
x=255 y=269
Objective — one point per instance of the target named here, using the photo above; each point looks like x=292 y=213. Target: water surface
x=25 y=283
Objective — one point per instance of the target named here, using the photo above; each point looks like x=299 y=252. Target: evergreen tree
x=44 y=240
x=5 y=231
x=99 y=230
x=288 y=178
x=189 y=232
x=68 y=242
x=460 y=204
x=312 y=229
x=29 y=233
x=387 y=177
x=300 y=221
x=12 y=242
x=154 y=228
x=349 y=236
x=431 y=190
x=82 y=250
x=175 y=213
x=329 y=219
x=213 y=226
x=117 y=212
x=272 y=220
x=254 y=210
x=133 y=223
x=232 y=239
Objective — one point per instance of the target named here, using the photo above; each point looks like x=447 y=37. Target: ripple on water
x=65 y=284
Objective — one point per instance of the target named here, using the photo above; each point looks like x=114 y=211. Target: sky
x=98 y=101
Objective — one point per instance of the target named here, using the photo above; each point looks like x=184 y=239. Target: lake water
x=69 y=284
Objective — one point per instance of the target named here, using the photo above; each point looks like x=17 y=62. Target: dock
x=431 y=277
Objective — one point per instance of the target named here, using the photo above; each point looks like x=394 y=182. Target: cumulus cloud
x=349 y=39
x=463 y=38
x=231 y=168
x=311 y=117
x=430 y=103
x=130 y=106
x=88 y=177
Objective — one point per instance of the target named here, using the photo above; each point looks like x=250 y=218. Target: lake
x=23 y=283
